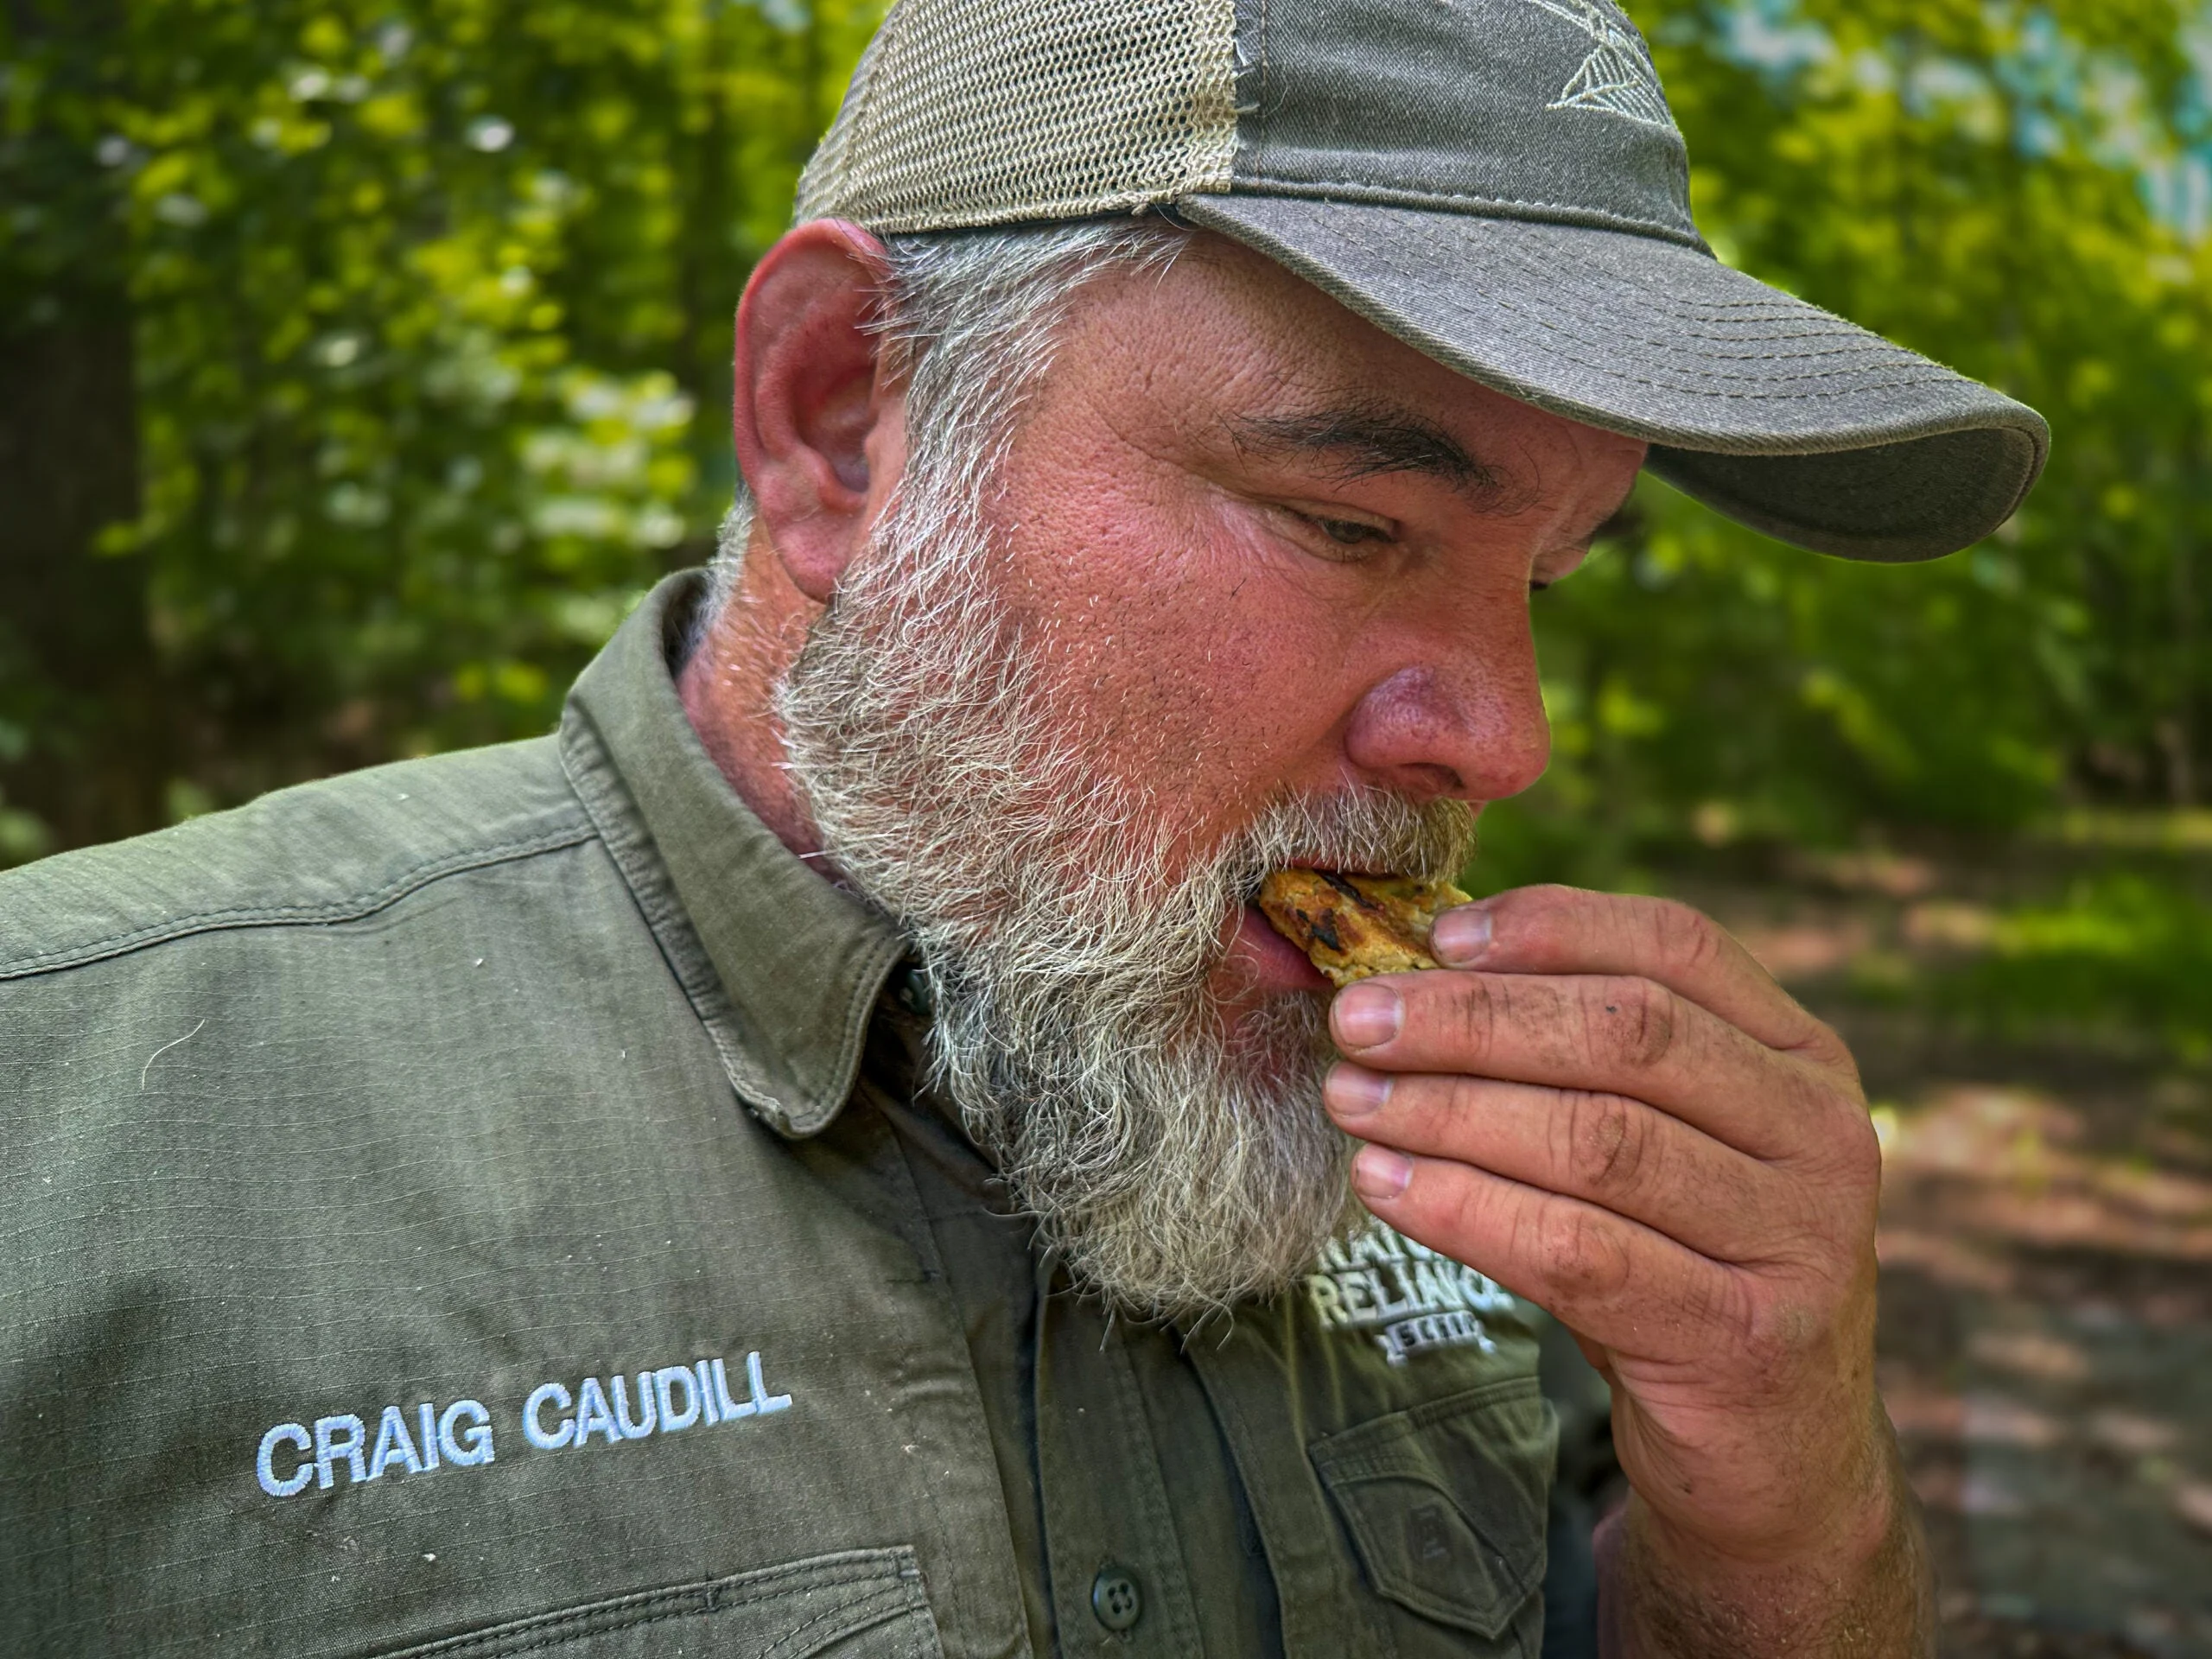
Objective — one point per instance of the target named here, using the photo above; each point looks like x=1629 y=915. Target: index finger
x=1557 y=930
x=1611 y=1033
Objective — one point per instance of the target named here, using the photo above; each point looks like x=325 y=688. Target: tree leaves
x=1994 y=185
x=428 y=298
x=431 y=301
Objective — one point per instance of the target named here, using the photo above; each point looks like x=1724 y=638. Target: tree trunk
x=83 y=743
x=75 y=640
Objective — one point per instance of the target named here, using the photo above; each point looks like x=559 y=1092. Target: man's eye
x=1348 y=532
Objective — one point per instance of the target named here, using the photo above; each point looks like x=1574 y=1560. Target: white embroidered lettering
x=393 y=1445
x=472 y=1445
x=1391 y=1300
x=264 y=1464
x=1373 y=1247
x=1431 y=1287
x=328 y=1448
x=665 y=1382
x=707 y=1408
x=1406 y=1296
x=1452 y=1330
x=1323 y=1289
x=547 y=1394
x=763 y=1402
x=594 y=1414
x=665 y=1399
x=1356 y=1289
x=638 y=1430
x=727 y=1406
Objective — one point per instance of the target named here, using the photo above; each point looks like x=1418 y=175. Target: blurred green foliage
x=361 y=362
x=2121 y=954
x=425 y=302
x=2020 y=191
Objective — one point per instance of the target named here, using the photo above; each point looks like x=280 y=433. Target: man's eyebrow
x=1366 y=443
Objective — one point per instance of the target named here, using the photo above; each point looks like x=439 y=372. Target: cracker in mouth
x=1353 y=926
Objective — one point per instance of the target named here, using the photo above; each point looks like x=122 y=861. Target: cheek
x=1194 y=672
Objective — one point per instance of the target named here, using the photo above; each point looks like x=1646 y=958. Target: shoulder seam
x=346 y=909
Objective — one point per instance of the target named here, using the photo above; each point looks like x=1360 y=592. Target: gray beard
x=1179 y=1163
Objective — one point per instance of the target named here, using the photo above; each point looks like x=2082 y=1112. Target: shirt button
x=1116 y=1598
x=910 y=988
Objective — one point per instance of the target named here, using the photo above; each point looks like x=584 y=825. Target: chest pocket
x=865 y=1604
x=1446 y=1505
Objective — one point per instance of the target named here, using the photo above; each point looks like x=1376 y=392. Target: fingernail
x=1368 y=1014
x=1348 y=1091
x=1379 y=1172
x=1461 y=935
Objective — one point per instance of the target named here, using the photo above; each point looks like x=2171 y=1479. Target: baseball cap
x=1498 y=183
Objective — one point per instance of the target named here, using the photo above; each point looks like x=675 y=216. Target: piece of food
x=1351 y=927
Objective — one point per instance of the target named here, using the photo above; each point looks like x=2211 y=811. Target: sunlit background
x=361 y=365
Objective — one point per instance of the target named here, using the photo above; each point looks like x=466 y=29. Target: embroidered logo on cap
x=1617 y=77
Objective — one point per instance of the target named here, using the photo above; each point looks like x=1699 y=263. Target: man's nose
x=1425 y=732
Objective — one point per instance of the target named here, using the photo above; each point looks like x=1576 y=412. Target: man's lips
x=1265 y=960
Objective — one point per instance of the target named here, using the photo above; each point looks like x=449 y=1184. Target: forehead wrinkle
x=1363 y=440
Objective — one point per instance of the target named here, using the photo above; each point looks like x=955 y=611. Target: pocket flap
x=775 y=1612
x=1445 y=1501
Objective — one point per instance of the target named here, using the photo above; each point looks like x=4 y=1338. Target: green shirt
x=487 y=1205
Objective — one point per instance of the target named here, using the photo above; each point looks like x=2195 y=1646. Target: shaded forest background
x=362 y=360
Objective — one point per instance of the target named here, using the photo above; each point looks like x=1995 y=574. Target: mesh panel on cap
x=988 y=111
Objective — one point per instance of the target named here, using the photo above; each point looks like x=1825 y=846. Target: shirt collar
x=783 y=968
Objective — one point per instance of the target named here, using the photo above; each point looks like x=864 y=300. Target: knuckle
x=1858 y=1149
x=1431 y=1108
x=1808 y=1094
x=1608 y=1144
x=1830 y=1048
x=1823 y=1045
x=1460 y=1099
x=1540 y=921
x=1472 y=1012
x=1634 y=1021
x=1550 y=897
x=1581 y=1255
x=1478 y=1015
x=1469 y=1211
x=1840 y=1145
x=1686 y=938
x=1777 y=1334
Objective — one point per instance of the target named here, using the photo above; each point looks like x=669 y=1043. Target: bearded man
x=822 y=1156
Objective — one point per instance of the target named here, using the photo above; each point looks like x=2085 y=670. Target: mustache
x=1363 y=830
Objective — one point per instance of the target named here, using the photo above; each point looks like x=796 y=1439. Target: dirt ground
x=2046 y=1332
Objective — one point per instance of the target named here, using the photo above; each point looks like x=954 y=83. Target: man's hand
x=1611 y=1109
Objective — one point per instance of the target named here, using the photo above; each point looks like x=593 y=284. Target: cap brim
x=1773 y=411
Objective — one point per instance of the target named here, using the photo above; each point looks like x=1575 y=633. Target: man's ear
x=818 y=430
